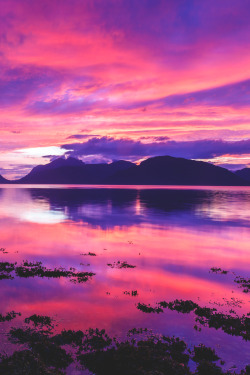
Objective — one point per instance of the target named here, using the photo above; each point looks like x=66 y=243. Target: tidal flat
x=124 y=281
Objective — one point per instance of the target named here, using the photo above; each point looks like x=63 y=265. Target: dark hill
x=244 y=173
x=167 y=170
x=3 y=180
x=73 y=171
x=160 y=170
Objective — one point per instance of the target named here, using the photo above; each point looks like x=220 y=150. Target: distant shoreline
x=124 y=186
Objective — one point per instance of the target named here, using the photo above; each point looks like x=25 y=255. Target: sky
x=104 y=80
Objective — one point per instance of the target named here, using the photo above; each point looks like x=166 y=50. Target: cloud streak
x=177 y=69
x=112 y=149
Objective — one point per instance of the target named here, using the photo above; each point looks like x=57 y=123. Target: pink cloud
x=120 y=67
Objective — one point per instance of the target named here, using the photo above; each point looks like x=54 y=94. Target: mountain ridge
x=244 y=173
x=3 y=180
x=177 y=171
x=159 y=170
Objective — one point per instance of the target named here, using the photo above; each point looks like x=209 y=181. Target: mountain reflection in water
x=173 y=236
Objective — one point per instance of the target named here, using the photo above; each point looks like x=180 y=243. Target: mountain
x=244 y=173
x=73 y=171
x=160 y=170
x=167 y=170
x=3 y=180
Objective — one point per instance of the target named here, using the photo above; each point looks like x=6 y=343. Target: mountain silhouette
x=73 y=171
x=3 y=180
x=244 y=173
x=160 y=170
x=167 y=170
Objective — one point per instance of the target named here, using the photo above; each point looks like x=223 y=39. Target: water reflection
x=172 y=236
x=19 y=204
x=109 y=207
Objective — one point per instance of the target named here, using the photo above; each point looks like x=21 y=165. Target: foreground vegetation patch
x=120 y=264
x=94 y=350
x=243 y=282
x=206 y=316
x=36 y=269
x=9 y=316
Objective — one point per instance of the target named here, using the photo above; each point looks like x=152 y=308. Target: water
x=172 y=235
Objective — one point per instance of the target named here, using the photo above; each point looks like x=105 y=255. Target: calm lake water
x=172 y=235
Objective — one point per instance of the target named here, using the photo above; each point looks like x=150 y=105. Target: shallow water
x=172 y=235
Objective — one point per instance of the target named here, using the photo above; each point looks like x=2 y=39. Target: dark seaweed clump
x=184 y=307
x=136 y=331
x=9 y=316
x=203 y=353
x=3 y=250
x=95 y=339
x=120 y=264
x=44 y=353
x=133 y=293
x=95 y=351
x=150 y=356
x=232 y=325
x=25 y=362
x=28 y=335
x=5 y=270
x=36 y=269
x=243 y=283
x=218 y=270
x=81 y=277
x=39 y=320
x=69 y=337
x=148 y=308
x=90 y=254
x=235 y=326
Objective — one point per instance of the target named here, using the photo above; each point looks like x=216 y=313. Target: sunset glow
x=126 y=79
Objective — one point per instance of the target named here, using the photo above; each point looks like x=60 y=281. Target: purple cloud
x=233 y=167
x=232 y=95
x=81 y=136
x=133 y=150
x=235 y=95
x=19 y=84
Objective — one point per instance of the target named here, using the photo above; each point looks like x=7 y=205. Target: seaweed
x=150 y=356
x=89 y=253
x=232 y=325
x=243 y=283
x=39 y=320
x=218 y=270
x=95 y=339
x=81 y=277
x=184 y=307
x=41 y=347
x=209 y=368
x=68 y=337
x=205 y=312
x=120 y=264
x=52 y=355
x=133 y=293
x=36 y=269
x=4 y=276
x=148 y=308
x=27 y=335
x=203 y=353
x=5 y=270
x=136 y=331
x=25 y=362
x=9 y=316
x=102 y=355
x=3 y=250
